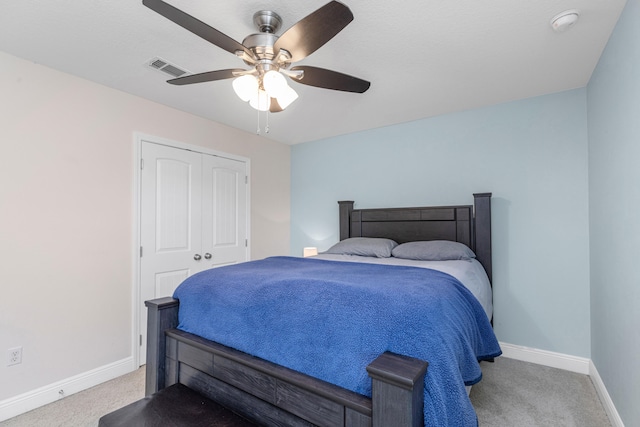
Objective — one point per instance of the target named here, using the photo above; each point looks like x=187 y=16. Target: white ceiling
x=423 y=58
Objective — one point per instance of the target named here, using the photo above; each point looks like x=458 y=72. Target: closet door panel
x=224 y=210
x=170 y=223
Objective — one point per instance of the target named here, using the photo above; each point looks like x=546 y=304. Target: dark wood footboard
x=272 y=395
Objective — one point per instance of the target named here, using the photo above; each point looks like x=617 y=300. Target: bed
x=391 y=388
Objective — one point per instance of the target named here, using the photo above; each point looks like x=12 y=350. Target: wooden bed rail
x=274 y=395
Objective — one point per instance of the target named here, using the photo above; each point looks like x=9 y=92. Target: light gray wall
x=67 y=216
x=531 y=154
x=614 y=208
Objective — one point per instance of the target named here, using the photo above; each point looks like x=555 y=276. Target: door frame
x=138 y=139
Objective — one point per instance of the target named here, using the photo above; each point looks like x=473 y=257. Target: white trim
x=139 y=137
x=25 y=402
x=135 y=289
x=609 y=407
x=546 y=358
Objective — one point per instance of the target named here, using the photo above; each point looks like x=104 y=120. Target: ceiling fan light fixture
x=286 y=97
x=274 y=83
x=260 y=100
x=245 y=87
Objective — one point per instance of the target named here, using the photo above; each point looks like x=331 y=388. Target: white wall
x=532 y=154
x=66 y=215
x=614 y=207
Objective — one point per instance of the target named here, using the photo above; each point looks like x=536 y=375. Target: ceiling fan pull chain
x=266 y=129
x=258 y=130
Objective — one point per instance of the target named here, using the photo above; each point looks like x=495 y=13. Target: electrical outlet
x=14 y=356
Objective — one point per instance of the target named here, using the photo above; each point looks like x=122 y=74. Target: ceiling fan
x=271 y=56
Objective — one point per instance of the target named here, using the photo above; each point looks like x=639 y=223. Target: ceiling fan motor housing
x=267 y=21
x=261 y=44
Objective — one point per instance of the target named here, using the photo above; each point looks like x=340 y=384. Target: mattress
x=469 y=272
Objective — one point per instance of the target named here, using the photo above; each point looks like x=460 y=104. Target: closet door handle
x=207 y=256
x=197 y=257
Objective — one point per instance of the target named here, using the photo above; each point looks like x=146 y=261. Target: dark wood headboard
x=468 y=224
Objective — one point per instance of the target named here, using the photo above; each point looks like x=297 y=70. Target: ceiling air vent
x=166 y=67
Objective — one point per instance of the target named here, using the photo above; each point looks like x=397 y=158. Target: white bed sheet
x=469 y=272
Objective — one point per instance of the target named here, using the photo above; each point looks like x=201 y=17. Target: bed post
x=397 y=390
x=482 y=230
x=162 y=314
x=346 y=206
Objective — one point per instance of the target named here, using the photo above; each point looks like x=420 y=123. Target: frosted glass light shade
x=274 y=83
x=246 y=87
x=260 y=101
x=286 y=97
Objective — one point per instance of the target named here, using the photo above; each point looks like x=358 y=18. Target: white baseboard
x=609 y=407
x=546 y=358
x=25 y=402
x=15 y=406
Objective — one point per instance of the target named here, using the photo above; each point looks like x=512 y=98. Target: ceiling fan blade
x=209 y=76
x=312 y=32
x=274 y=107
x=327 y=79
x=196 y=26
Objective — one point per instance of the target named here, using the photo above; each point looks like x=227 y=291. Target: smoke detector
x=565 y=20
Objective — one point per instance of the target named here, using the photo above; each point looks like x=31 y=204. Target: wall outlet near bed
x=14 y=356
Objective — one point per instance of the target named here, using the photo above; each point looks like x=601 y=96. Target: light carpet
x=512 y=394
x=515 y=393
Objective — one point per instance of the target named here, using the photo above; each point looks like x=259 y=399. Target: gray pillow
x=434 y=250
x=363 y=246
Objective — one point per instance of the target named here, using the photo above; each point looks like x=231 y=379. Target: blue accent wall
x=614 y=199
x=531 y=154
x=565 y=174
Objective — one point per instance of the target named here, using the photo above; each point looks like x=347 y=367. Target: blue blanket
x=330 y=319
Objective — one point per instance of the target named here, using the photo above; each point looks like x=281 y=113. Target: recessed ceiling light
x=565 y=20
